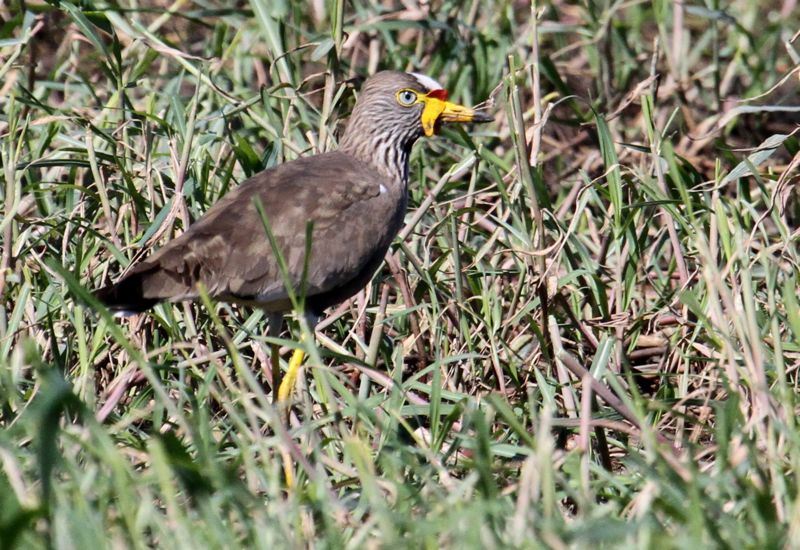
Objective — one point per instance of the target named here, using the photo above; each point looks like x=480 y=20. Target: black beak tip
x=481 y=116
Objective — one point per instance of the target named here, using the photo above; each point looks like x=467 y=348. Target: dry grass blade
x=587 y=334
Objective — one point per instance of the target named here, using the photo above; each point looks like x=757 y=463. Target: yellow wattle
x=431 y=113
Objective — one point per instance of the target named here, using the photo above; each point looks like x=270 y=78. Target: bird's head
x=400 y=107
x=392 y=111
x=411 y=103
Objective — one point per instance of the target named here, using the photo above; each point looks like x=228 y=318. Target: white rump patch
x=427 y=81
x=383 y=189
x=118 y=313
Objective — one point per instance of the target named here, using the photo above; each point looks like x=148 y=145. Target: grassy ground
x=589 y=332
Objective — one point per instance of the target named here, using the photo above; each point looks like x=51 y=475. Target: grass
x=587 y=334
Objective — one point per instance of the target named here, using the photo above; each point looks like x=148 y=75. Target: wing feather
x=355 y=212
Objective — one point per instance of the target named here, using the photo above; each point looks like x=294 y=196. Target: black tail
x=126 y=296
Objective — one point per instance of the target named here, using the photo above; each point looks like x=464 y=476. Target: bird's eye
x=406 y=97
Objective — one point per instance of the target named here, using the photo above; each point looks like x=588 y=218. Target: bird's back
x=354 y=212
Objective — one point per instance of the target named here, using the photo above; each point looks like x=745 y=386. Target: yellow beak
x=438 y=110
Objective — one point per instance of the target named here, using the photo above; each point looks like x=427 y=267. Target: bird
x=331 y=219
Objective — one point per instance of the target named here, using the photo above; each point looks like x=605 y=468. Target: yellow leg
x=288 y=382
x=284 y=391
x=288 y=468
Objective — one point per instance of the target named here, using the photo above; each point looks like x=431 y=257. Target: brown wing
x=355 y=213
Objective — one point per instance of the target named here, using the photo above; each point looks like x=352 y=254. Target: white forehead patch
x=427 y=81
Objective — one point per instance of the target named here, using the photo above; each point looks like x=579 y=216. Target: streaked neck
x=387 y=149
